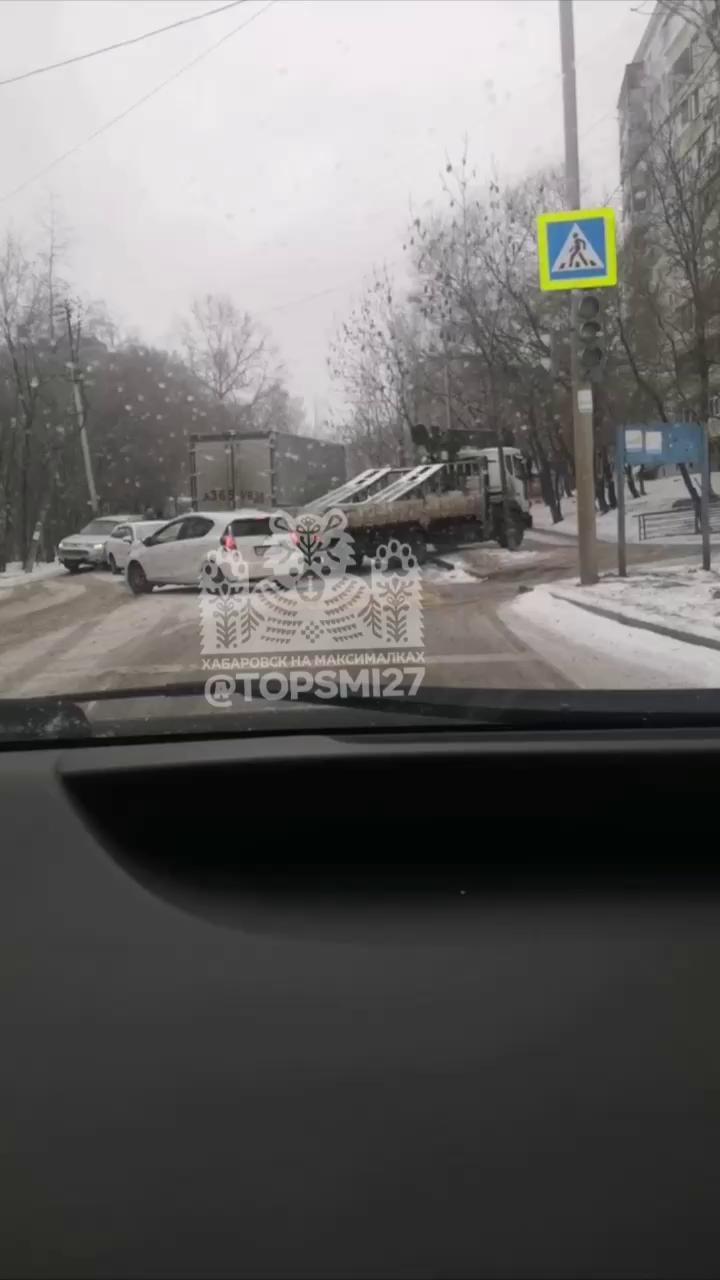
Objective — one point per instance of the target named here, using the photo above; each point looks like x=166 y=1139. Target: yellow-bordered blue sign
x=577 y=250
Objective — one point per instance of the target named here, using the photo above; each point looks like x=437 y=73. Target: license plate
x=260 y=551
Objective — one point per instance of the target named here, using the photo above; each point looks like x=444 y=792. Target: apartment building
x=673 y=81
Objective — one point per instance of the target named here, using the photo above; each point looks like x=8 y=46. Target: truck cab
x=516 y=477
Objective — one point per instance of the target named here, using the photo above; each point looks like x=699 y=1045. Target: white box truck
x=261 y=469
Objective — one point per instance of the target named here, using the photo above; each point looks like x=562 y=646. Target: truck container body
x=262 y=469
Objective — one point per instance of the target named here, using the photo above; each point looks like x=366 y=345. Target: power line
x=595 y=123
x=103 y=128
x=119 y=44
x=308 y=297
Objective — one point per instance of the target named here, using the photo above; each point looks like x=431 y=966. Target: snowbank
x=15 y=576
x=461 y=570
x=680 y=598
x=479 y=564
x=597 y=653
x=660 y=496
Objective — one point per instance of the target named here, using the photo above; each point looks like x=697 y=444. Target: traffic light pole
x=581 y=392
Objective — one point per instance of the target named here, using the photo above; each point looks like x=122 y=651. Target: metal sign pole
x=620 y=494
x=583 y=444
x=705 y=496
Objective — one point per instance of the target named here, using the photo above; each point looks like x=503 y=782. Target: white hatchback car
x=177 y=553
x=122 y=538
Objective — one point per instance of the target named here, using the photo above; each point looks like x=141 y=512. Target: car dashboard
x=361 y=1004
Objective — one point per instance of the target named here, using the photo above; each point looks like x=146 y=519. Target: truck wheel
x=511 y=536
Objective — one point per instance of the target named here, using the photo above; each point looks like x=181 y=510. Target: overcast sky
x=282 y=165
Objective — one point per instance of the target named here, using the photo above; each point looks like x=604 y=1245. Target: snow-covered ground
x=15 y=576
x=680 y=597
x=660 y=495
x=476 y=564
x=501 y=559
x=597 y=653
x=459 y=572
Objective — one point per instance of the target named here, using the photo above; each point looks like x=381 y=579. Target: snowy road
x=68 y=634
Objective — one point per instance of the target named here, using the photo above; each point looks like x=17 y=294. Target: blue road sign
x=664 y=443
x=576 y=249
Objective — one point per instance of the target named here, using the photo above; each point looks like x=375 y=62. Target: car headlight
x=98 y=546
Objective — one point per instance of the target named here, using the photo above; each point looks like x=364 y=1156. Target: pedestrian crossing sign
x=576 y=249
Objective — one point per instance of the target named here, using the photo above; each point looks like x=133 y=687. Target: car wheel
x=112 y=564
x=137 y=579
x=71 y=568
x=419 y=548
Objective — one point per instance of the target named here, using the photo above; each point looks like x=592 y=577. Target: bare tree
x=702 y=15
x=276 y=409
x=225 y=350
x=500 y=339
x=374 y=357
x=669 y=318
x=20 y=328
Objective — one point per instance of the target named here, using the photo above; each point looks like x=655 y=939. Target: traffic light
x=591 y=339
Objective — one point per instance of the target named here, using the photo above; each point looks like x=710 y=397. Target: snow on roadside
x=478 y=566
x=597 y=653
x=681 y=596
x=500 y=558
x=435 y=573
x=660 y=495
x=15 y=576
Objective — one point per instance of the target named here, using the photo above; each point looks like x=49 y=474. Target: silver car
x=122 y=538
x=88 y=546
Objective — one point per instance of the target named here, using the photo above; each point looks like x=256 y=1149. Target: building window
x=682 y=66
x=690 y=107
x=701 y=149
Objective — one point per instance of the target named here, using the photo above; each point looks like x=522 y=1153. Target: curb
x=551 y=529
x=673 y=633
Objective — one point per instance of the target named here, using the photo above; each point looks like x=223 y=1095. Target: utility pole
x=80 y=410
x=581 y=391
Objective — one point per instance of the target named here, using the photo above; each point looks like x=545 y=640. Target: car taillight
x=228 y=542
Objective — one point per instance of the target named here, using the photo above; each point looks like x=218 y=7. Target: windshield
x=395 y=330
x=99 y=526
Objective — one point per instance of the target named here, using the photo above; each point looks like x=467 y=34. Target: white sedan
x=120 y=542
x=177 y=553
